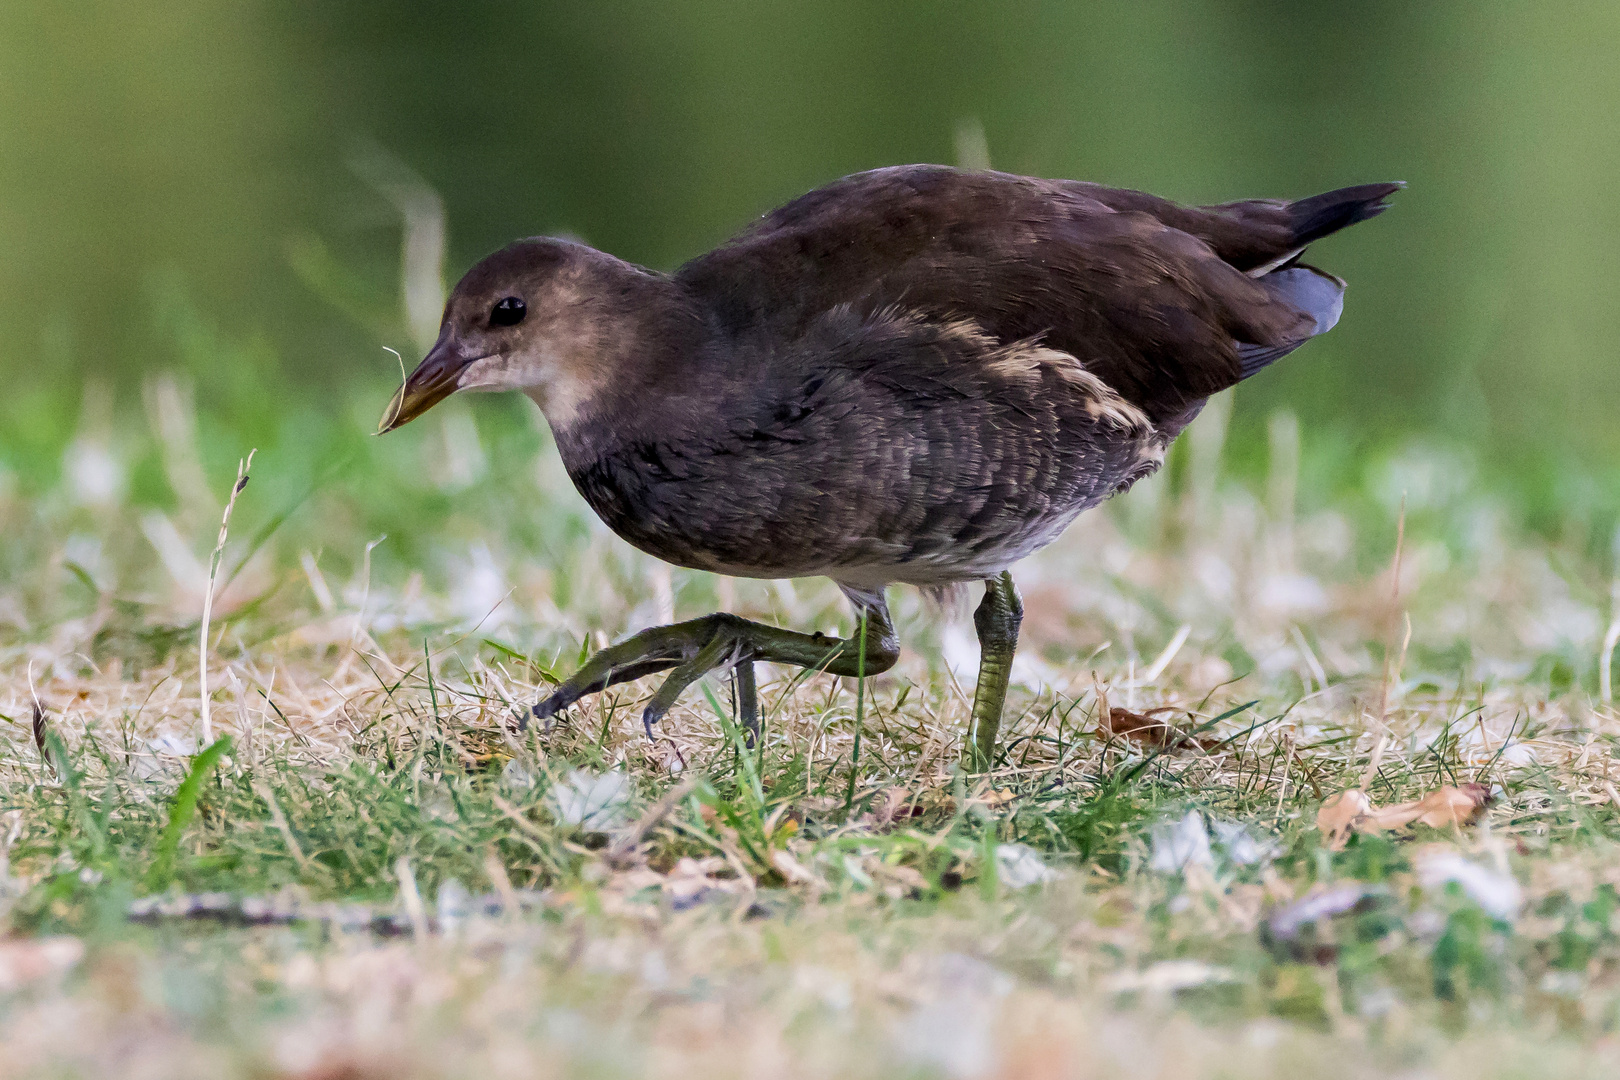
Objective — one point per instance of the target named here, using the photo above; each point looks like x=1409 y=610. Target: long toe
x=546 y=708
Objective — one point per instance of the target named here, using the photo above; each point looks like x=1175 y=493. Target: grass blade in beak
x=434 y=379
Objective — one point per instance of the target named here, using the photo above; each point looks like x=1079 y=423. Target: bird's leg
x=996 y=620
x=698 y=646
x=746 y=692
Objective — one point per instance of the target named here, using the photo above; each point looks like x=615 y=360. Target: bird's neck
x=630 y=335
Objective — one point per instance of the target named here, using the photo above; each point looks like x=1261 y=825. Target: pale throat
x=561 y=388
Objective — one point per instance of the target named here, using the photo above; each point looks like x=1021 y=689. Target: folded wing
x=1159 y=301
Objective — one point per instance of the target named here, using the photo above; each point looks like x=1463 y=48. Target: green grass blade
x=181 y=810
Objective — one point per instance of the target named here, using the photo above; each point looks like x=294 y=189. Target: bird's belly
x=977 y=561
x=852 y=528
x=873 y=568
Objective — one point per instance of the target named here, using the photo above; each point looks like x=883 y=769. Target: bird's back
x=1154 y=298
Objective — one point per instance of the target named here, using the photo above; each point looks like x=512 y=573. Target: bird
x=916 y=375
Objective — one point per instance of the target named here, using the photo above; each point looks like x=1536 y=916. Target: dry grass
x=688 y=907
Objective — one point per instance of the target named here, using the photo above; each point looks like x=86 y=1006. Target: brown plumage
x=913 y=375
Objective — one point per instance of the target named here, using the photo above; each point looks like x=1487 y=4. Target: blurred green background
x=176 y=190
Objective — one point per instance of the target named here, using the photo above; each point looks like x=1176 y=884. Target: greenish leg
x=747 y=694
x=698 y=646
x=996 y=620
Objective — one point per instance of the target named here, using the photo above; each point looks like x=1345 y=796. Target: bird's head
x=539 y=316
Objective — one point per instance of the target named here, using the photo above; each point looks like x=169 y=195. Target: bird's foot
x=692 y=649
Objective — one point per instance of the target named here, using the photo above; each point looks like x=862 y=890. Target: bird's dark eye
x=508 y=311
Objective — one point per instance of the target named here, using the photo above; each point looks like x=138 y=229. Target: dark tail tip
x=1320 y=215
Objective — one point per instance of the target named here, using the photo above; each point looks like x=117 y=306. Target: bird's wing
x=1151 y=297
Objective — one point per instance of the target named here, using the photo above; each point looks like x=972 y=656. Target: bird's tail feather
x=1315 y=292
x=1318 y=294
x=1318 y=216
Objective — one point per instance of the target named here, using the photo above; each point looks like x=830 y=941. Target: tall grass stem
x=242 y=468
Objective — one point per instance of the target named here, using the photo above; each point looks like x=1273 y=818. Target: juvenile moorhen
x=913 y=375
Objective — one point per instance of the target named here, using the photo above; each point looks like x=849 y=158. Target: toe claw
x=551 y=706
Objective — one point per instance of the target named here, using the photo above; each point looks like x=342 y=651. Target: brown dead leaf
x=897 y=805
x=794 y=872
x=1441 y=808
x=994 y=798
x=1143 y=728
x=1340 y=814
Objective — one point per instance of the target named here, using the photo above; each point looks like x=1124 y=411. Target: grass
x=409 y=883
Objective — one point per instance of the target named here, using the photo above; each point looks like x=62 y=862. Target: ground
x=367 y=866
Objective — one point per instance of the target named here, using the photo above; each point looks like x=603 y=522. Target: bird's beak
x=434 y=379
